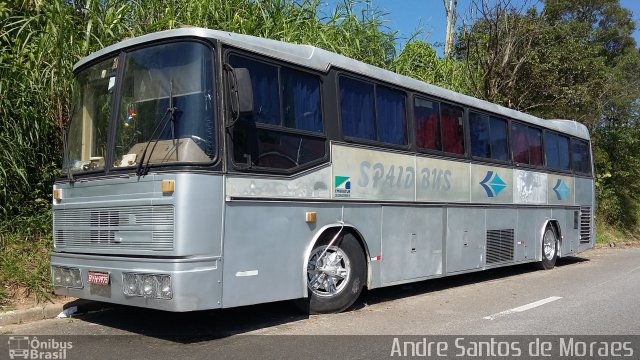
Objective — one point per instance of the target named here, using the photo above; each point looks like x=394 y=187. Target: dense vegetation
x=572 y=59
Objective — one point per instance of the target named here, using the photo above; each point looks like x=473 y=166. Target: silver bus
x=205 y=169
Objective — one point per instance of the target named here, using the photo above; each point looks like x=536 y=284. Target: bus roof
x=322 y=60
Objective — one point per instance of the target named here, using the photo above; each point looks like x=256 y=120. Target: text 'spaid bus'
x=206 y=169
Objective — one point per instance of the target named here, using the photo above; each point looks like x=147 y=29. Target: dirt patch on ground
x=622 y=245
x=20 y=298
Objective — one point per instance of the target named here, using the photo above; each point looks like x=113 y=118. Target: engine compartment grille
x=148 y=227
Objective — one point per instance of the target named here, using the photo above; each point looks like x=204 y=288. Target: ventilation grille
x=585 y=224
x=148 y=227
x=499 y=246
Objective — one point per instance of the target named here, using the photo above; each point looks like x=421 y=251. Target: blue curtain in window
x=356 y=109
x=563 y=153
x=479 y=130
x=499 y=149
x=302 y=108
x=392 y=126
x=551 y=150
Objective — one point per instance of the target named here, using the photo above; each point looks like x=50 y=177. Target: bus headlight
x=66 y=277
x=147 y=285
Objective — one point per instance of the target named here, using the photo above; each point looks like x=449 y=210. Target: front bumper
x=196 y=282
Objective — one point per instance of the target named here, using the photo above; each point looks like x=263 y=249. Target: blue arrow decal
x=561 y=189
x=497 y=184
x=484 y=183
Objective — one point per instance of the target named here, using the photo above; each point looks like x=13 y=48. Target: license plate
x=98 y=278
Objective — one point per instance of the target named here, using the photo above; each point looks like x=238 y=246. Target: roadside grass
x=25 y=244
x=607 y=234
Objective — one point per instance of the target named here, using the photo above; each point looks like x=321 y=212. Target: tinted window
x=526 y=144
x=285 y=99
x=357 y=109
x=452 y=129
x=534 y=137
x=499 y=149
x=426 y=115
x=372 y=112
x=556 y=148
x=301 y=100
x=488 y=136
x=580 y=156
x=479 y=131
x=391 y=116
x=519 y=145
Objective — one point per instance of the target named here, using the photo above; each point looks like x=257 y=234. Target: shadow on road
x=209 y=325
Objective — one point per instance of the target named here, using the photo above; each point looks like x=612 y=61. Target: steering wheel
x=279 y=155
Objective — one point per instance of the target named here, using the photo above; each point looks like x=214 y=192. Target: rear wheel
x=335 y=276
x=549 y=249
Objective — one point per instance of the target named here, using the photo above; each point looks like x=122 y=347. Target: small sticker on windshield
x=112 y=82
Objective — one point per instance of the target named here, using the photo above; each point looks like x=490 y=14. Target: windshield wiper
x=142 y=171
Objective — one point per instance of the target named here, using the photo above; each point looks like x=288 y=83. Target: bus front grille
x=499 y=246
x=585 y=224
x=148 y=227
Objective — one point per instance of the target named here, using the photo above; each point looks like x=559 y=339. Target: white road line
x=523 y=307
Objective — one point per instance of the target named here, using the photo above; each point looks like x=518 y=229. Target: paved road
x=596 y=293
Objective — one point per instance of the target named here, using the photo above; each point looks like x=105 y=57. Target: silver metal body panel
x=465 y=240
x=411 y=243
x=322 y=60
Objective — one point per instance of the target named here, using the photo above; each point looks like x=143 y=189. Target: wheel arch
x=555 y=226
x=327 y=232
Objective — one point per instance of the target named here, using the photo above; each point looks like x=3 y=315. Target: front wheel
x=549 y=249
x=335 y=276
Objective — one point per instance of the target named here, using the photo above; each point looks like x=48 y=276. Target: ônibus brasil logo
x=26 y=347
x=342 y=186
x=493 y=184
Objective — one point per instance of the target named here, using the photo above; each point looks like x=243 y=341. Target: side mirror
x=240 y=89
x=245 y=91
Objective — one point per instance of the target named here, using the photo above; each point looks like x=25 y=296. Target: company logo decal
x=342 y=186
x=493 y=184
x=561 y=189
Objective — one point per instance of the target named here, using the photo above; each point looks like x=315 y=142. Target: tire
x=335 y=276
x=549 y=249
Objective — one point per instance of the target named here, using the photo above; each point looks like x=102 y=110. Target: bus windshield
x=165 y=105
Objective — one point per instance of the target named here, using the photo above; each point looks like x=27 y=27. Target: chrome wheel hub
x=549 y=245
x=328 y=271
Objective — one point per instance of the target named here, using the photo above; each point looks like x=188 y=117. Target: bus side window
x=498 y=130
x=534 y=138
x=391 y=116
x=357 y=109
x=556 y=148
x=426 y=115
x=479 y=130
x=580 y=156
x=452 y=129
x=519 y=146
